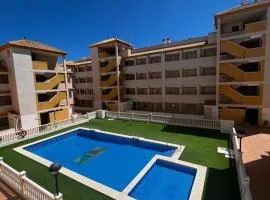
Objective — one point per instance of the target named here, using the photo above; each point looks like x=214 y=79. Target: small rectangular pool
x=165 y=180
x=106 y=158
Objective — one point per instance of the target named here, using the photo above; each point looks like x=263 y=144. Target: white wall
x=23 y=71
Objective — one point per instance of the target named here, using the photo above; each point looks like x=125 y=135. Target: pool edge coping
x=121 y=195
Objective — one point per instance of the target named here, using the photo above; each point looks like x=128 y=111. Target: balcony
x=239 y=51
x=108 y=67
x=237 y=97
x=110 y=81
x=51 y=83
x=103 y=55
x=58 y=116
x=40 y=65
x=53 y=102
x=238 y=75
x=255 y=27
x=111 y=95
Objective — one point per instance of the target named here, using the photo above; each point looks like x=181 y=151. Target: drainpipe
x=66 y=84
x=118 y=76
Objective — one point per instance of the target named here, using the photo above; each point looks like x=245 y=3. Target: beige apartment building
x=222 y=75
x=34 y=89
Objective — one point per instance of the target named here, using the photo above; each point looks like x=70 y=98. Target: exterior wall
x=25 y=88
x=96 y=79
x=163 y=82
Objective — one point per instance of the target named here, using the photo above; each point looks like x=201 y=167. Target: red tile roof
x=33 y=45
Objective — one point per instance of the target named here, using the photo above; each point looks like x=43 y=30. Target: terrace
x=201 y=148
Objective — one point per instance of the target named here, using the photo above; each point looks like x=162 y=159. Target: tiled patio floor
x=256 y=157
x=6 y=193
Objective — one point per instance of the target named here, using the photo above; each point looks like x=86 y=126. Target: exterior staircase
x=239 y=51
x=53 y=102
x=239 y=98
x=109 y=67
x=112 y=94
x=51 y=83
x=111 y=107
x=110 y=81
x=239 y=75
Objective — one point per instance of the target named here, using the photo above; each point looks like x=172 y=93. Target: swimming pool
x=108 y=159
x=178 y=178
x=107 y=162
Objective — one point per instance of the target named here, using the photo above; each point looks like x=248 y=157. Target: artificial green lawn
x=201 y=146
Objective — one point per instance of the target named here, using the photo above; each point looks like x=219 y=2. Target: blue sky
x=73 y=25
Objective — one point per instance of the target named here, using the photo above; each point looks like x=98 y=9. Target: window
x=189 y=90
x=88 y=68
x=81 y=69
x=89 y=91
x=83 y=103
x=140 y=61
x=172 y=90
x=154 y=75
x=142 y=106
x=189 y=55
x=89 y=79
x=172 y=57
x=155 y=91
x=142 y=91
x=154 y=59
x=189 y=72
x=130 y=90
x=4 y=123
x=172 y=107
x=4 y=78
x=208 y=52
x=207 y=90
x=76 y=80
x=5 y=100
x=129 y=62
x=192 y=109
x=207 y=71
x=141 y=76
x=82 y=80
x=155 y=107
x=172 y=74
x=235 y=28
x=129 y=76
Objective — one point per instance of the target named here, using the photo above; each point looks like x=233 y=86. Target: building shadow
x=259 y=173
x=194 y=131
x=217 y=181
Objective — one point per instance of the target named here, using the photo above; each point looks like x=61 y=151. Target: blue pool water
x=111 y=160
x=165 y=180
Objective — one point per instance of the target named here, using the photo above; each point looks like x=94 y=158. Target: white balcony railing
x=23 y=185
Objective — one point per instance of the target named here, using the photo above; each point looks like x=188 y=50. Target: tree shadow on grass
x=222 y=184
x=194 y=131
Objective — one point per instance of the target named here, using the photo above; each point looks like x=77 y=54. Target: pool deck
x=256 y=158
x=196 y=192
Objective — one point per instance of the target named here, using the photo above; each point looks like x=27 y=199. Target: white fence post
x=59 y=197
x=150 y=117
x=22 y=182
x=118 y=115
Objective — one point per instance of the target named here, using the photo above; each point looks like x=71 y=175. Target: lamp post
x=54 y=170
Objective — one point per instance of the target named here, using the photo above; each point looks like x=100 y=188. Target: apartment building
x=34 y=89
x=82 y=84
x=222 y=75
x=243 y=65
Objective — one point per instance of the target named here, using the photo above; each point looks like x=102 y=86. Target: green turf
x=201 y=147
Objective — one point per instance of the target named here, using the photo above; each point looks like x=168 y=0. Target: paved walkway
x=256 y=157
x=6 y=193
